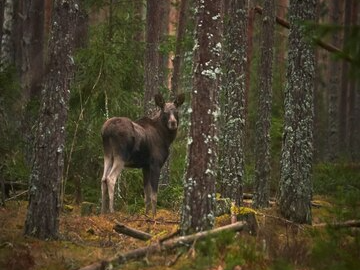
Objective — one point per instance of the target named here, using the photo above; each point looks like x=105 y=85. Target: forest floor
x=87 y=239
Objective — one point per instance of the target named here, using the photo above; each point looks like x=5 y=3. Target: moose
x=139 y=144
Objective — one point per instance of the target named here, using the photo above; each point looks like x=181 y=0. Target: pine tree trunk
x=179 y=51
x=2 y=6
x=152 y=56
x=199 y=198
x=234 y=85
x=7 y=44
x=263 y=124
x=344 y=106
x=334 y=86
x=42 y=220
x=297 y=150
x=352 y=116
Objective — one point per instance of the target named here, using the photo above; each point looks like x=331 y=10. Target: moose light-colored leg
x=153 y=202
x=104 y=190
x=147 y=193
x=116 y=169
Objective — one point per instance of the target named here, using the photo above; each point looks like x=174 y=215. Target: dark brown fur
x=140 y=144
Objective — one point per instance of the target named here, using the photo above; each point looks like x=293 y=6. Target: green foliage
x=332 y=179
x=228 y=250
x=338 y=248
x=108 y=82
x=12 y=161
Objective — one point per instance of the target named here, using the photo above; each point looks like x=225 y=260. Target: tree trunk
x=263 y=124
x=7 y=44
x=152 y=56
x=2 y=6
x=250 y=40
x=42 y=220
x=333 y=90
x=199 y=198
x=343 y=114
x=179 y=50
x=234 y=85
x=297 y=150
x=353 y=116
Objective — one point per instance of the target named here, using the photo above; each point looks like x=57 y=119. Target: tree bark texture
x=333 y=90
x=344 y=102
x=42 y=220
x=179 y=51
x=7 y=43
x=263 y=124
x=164 y=32
x=2 y=6
x=234 y=87
x=297 y=149
x=199 y=199
x=152 y=55
x=353 y=118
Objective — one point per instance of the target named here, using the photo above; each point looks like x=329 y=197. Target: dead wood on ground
x=161 y=247
x=121 y=228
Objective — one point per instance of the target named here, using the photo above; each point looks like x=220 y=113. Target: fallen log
x=160 y=247
x=338 y=225
x=121 y=228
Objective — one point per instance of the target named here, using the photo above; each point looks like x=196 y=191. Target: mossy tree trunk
x=297 y=150
x=263 y=124
x=234 y=87
x=42 y=220
x=199 y=200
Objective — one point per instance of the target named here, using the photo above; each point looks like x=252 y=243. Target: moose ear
x=159 y=100
x=179 y=100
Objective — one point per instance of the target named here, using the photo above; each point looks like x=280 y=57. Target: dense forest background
x=123 y=52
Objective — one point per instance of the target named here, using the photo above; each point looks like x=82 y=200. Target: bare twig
x=17 y=195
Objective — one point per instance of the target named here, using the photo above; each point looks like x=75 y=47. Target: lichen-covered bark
x=42 y=220
x=262 y=137
x=199 y=200
x=297 y=151
x=234 y=84
x=7 y=46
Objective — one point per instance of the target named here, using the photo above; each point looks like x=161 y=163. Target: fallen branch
x=166 y=245
x=17 y=195
x=121 y=228
x=338 y=225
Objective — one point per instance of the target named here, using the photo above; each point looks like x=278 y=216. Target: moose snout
x=172 y=123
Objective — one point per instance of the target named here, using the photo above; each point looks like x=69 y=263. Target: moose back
x=138 y=144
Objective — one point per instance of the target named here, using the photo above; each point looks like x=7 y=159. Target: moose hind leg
x=153 y=202
x=117 y=166
x=147 y=194
x=104 y=189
